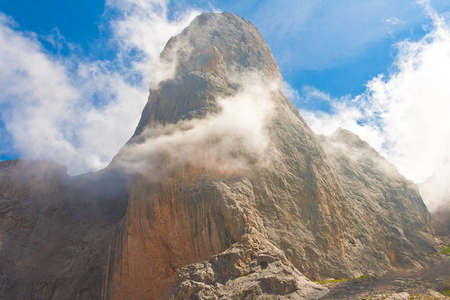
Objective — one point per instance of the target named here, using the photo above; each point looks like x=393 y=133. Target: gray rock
x=399 y=282
x=251 y=269
x=398 y=296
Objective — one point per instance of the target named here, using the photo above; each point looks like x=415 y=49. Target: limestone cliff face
x=330 y=212
x=295 y=205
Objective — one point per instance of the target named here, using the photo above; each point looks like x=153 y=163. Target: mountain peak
x=217 y=43
x=204 y=62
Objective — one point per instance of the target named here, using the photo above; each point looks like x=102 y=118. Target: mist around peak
x=233 y=140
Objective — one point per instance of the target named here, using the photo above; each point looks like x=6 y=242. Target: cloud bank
x=74 y=109
x=404 y=116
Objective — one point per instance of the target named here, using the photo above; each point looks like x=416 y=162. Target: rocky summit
x=223 y=192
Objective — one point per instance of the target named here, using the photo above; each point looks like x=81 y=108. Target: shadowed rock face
x=55 y=230
x=306 y=205
x=441 y=220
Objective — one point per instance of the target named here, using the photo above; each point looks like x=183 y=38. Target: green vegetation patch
x=445 y=293
x=446 y=251
x=331 y=281
x=341 y=279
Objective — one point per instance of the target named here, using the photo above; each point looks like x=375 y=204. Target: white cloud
x=391 y=24
x=405 y=115
x=144 y=26
x=290 y=92
x=37 y=91
x=436 y=190
x=76 y=110
x=310 y=93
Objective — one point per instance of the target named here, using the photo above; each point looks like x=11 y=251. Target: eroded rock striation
x=191 y=208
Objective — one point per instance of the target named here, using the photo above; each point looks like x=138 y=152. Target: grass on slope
x=446 y=251
x=340 y=279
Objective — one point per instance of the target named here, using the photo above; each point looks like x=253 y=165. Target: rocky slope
x=55 y=230
x=228 y=194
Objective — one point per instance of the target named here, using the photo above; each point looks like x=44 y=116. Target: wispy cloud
x=291 y=92
x=144 y=27
x=74 y=109
x=233 y=140
x=436 y=190
x=315 y=35
x=310 y=93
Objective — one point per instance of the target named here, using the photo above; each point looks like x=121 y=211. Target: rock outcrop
x=213 y=212
x=251 y=269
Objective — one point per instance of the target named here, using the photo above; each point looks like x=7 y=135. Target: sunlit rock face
x=223 y=191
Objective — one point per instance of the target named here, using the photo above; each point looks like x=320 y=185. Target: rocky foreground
x=432 y=282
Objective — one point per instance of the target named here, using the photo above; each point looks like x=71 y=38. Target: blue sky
x=335 y=46
x=74 y=75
